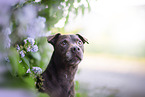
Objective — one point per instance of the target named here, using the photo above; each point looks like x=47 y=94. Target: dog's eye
x=79 y=42
x=64 y=43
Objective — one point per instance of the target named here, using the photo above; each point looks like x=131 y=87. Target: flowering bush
x=24 y=26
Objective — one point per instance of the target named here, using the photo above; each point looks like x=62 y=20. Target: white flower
x=36 y=27
x=22 y=54
x=36 y=70
x=26 y=15
x=30 y=24
x=37 y=0
x=18 y=47
x=41 y=22
x=31 y=40
x=28 y=71
x=34 y=48
x=20 y=61
x=25 y=41
x=28 y=49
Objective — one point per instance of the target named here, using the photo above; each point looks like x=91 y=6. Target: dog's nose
x=75 y=49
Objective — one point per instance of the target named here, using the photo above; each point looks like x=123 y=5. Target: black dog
x=58 y=76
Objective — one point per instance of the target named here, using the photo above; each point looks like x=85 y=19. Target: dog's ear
x=53 y=38
x=83 y=39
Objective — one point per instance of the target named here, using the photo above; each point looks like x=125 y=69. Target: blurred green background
x=114 y=61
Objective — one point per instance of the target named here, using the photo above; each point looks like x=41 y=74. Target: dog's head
x=69 y=48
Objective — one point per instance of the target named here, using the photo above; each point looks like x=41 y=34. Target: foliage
x=24 y=52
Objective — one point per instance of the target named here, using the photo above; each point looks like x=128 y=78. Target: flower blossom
x=31 y=40
x=20 y=61
x=18 y=47
x=34 y=48
x=22 y=54
x=28 y=49
x=30 y=24
x=36 y=70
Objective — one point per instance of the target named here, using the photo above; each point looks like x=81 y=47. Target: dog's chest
x=65 y=78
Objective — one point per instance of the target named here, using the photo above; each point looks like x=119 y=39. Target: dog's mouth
x=77 y=57
x=75 y=60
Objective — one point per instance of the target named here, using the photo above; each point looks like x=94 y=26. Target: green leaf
x=78 y=1
x=76 y=85
x=43 y=95
x=76 y=11
x=21 y=70
x=67 y=2
x=26 y=61
x=30 y=82
x=89 y=7
x=78 y=72
x=71 y=2
x=36 y=56
x=83 y=9
x=14 y=60
x=67 y=17
x=78 y=95
x=51 y=11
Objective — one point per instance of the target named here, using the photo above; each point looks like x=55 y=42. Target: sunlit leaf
x=71 y=2
x=78 y=95
x=89 y=7
x=76 y=11
x=83 y=9
x=76 y=85
x=21 y=70
x=51 y=11
x=78 y=1
x=25 y=60
x=14 y=60
x=30 y=82
x=43 y=95
x=36 y=55
x=67 y=17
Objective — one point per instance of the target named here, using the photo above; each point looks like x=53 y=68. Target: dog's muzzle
x=74 y=55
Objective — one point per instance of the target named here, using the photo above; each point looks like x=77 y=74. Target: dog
x=58 y=78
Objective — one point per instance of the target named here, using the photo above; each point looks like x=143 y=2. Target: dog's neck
x=61 y=68
x=62 y=73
